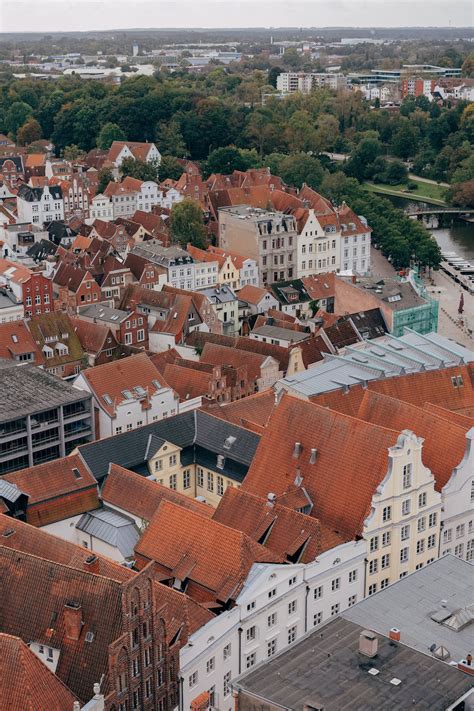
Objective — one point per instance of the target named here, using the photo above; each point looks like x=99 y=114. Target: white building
x=277 y=606
x=101 y=208
x=457 y=524
x=306 y=82
x=183 y=271
x=40 y=205
x=319 y=245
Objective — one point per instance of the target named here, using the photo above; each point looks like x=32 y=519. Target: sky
x=81 y=15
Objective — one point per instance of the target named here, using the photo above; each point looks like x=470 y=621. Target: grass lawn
x=425 y=191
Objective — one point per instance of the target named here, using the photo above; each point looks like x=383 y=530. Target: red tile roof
x=222 y=355
x=214 y=558
x=444 y=442
x=56 y=490
x=15 y=340
x=26 y=683
x=342 y=501
x=188 y=383
x=112 y=379
x=93 y=336
x=255 y=409
x=252 y=294
x=139 y=150
x=141 y=497
x=294 y=536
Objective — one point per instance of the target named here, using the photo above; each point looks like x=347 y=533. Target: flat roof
x=103 y=313
x=27 y=389
x=327 y=668
x=448 y=579
x=284 y=334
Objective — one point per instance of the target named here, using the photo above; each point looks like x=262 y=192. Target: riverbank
x=430 y=193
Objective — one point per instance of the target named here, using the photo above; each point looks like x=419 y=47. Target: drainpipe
x=306 y=609
x=181 y=682
x=240 y=649
x=365 y=576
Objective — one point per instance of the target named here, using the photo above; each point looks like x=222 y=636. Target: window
x=335 y=584
x=374 y=543
x=472 y=491
x=460 y=530
x=352 y=576
x=385 y=561
x=220 y=486
x=226 y=683
x=292 y=580
x=271 y=647
x=406 y=507
x=432 y=519
x=250 y=660
x=420 y=546
x=373 y=566
x=422 y=500
x=271 y=619
x=387 y=513
x=351 y=600
x=272 y=592
x=140 y=335
x=251 y=633
x=447 y=535
x=292 y=607
x=128 y=339
x=292 y=634
x=251 y=606
x=186 y=479
x=318 y=592
x=210 y=665
x=335 y=609
x=384 y=583
x=317 y=618
x=135 y=667
x=118 y=430
x=407 y=476
x=404 y=555
x=210 y=481
x=173 y=481
x=227 y=651
x=200 y=477
x=193 y=679
x=172 y=460
x=158 y=465
x=386 y=539
x=372 y=589
x=136 y=699
x=421 y=524
x=459 y=550
x=431 y=541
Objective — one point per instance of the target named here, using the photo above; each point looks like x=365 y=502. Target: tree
x=359 y=164
x=291 y=58
x=72 y=152
x=138 y=169
x=109 y=133
x=186 y=223
x=468 y=66
x=225 y=160
x=29 y=132
x=301 y=133
x=462 y=194
x=17 y=115
x=170 y=138
x=273 y=73
x=300 y=168
x=170 y=167
x=396 y=172
x=105 y=177
x=405 y=141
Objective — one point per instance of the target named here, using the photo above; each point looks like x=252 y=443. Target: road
x=412 y=176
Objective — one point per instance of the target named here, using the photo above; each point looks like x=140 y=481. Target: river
x=455 y=236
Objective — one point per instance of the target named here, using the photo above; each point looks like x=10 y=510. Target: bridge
x=413 y=212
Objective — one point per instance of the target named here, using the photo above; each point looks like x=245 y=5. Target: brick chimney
x=467 y=665
x=394 y=634
x=368 y=643
x=73 y=620
x=92 y=564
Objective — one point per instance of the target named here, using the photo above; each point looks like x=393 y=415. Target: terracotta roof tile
x=341 y=502
x=456 y=417
x=293 y=535
x=93 y=336
x=217 y=558
x=26 y=683
x=109 y=381
x=15 y=339
x=444 y=442
x=255 y=409
x=188 y=383
x=223 y=355
x=141 y=497
x=252 y=294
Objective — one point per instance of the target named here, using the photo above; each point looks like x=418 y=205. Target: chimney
x=314 y=453
x=271 y=498
x=297 y=450
x=466 y=665
x=368 y=643
x=354 y=279
x=91 y=564
x=73 y=620
x=394 y=634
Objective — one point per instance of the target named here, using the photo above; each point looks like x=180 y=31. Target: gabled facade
x=40 y=205
x=32 y=289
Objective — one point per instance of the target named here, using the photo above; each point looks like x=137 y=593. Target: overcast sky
x=79 y=15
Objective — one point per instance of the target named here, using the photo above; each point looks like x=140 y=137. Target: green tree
x=405 y=141
x=273 y=73
x=301 y=133
x=105 y=177
x=109 y=133
x=468 y=66
x=461 y=194
x=291 y=58
x=300 y=168
x=225 y=160
x=72 y=152
x=17 y=115
x=186 y=223
x=29 y=132
x=396 y=172
x=360 y=163
x=170 y=138
x=170 y=167
x=138 y=169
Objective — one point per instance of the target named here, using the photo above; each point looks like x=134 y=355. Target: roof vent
x=314 y=454
x=368 y=643
x=8 y=532
x=394 y=634
x=440 y=652
x=395 y=681
x=220 y=461
x=271 y=498
x=297 y=450
x=298 y=477
x=229 y=441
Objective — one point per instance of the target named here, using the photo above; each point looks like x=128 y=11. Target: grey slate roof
x=201 y=437
x=284 y=334
x=382 y=358
x=154 y=251
x=26 y=389
x=35 y=194
x=104 y=314
x=326 y=668
x=448 y=578
x=112 y=528
x=9 y=492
